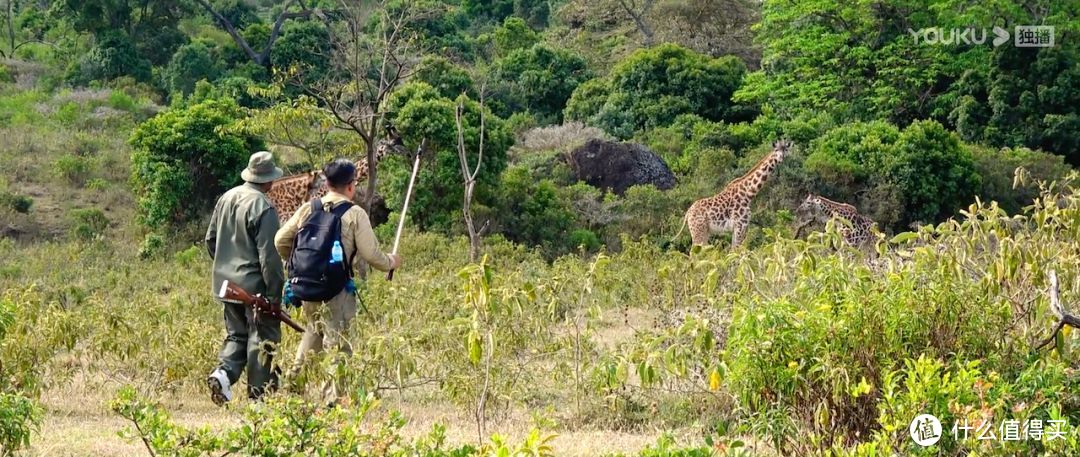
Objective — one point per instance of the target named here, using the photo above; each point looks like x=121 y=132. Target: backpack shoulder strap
x=340 y=210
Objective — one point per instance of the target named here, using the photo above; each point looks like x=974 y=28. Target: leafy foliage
x=185 y=157
x=420 y=112
x=539 y=80
x=193 y=62
x=653 y=86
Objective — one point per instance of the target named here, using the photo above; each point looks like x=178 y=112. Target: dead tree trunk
x=469 y=175
x=1063 y=315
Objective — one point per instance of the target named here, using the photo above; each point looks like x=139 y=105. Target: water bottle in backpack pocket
x=318 y=268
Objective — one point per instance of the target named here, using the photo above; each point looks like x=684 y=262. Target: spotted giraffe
x=729 y=210
x=857 y=230
x=289 y=193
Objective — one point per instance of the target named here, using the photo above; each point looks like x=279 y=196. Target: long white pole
x=405 y=207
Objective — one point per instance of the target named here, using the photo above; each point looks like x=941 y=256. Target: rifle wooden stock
x=260 y=304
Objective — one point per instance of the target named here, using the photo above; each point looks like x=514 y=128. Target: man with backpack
x=240 y=240
x=322 y=242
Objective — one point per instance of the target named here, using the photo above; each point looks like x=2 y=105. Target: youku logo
x=970 y=35
x=1026 y=36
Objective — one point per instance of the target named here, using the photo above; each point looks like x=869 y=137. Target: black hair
x=339 y=173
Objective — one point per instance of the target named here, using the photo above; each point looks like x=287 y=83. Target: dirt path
x=78 y=423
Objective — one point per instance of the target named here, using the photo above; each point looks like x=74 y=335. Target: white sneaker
x=220 y=387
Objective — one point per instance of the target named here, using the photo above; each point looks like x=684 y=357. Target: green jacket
x=241 y=242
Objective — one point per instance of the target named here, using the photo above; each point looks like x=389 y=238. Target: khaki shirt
x=240 y=240
x=357 y=237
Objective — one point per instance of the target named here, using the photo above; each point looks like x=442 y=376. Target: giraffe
x=729 y=210
x=289 y=193
x=857 y=230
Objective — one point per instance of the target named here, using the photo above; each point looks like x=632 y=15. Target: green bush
x=114 y=55
x=539 y=80
x=419 y=111
x=653 y=86
x=88 y=223
x=303 y=46
x=531 y=212
x=584 y=239
x=152 y=246
x=997 y=169
x=185 y=157
x=18 y=203
x=72 y=168
x=20 y=418
x=448 y=78
x=923 y=167
x=934 y=173
x=193 y=62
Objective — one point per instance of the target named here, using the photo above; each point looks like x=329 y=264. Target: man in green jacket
x=241 y=242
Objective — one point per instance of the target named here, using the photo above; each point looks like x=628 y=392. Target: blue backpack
x=314 y=275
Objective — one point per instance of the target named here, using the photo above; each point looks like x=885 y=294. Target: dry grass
x=78 y=421
x=560 y=138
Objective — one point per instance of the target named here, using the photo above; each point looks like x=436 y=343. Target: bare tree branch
x=638 y=15
x=261 y=58
x=1063 y=315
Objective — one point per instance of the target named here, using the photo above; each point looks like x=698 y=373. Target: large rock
x=617 y=166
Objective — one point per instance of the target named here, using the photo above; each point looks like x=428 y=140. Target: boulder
x=616 y=166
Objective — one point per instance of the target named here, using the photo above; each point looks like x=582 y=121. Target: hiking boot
x=220 y=387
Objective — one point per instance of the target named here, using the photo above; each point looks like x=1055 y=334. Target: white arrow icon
x=1001 y=36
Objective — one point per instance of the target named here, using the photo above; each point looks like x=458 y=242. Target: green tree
x=514 y=34
x=448 y=78
x=192 y=62
x=419 y=111
x=539 y=80
x=150 y=25
x=304 y=45
x=935 y=174
x=1030 y=97
x=921 y=173
x=654 y=86
x=530 y=212
x=185 y=157
x=113 y=56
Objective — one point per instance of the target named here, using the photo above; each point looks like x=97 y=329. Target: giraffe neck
x=362 y=164
x=754 y=180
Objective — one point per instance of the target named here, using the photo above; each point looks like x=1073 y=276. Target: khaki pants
x=327 y=325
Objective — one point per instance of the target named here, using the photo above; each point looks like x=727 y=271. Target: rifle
x=405 y=207
x=258 y=303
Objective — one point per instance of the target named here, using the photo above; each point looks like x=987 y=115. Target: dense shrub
x=997 y=168
x=538 y=80
x=192 y=62
x=114 y=55
x=924 y=167
x=420 y=112
x=531 y=213
x=1028 y=97
x=186 y=157
x=88 y=223
x=304 y=46
x=72 y=168
x=934 y=173
x=448 y=78
x=18 y=203
x=653 y=86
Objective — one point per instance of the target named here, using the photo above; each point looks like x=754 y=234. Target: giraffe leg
x=739 y=233
x=699 y=231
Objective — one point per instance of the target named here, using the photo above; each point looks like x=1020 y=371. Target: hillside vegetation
x=576 y=324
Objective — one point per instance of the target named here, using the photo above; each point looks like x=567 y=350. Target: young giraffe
x=729 y=210
x=858 y=229
x=290 y=192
